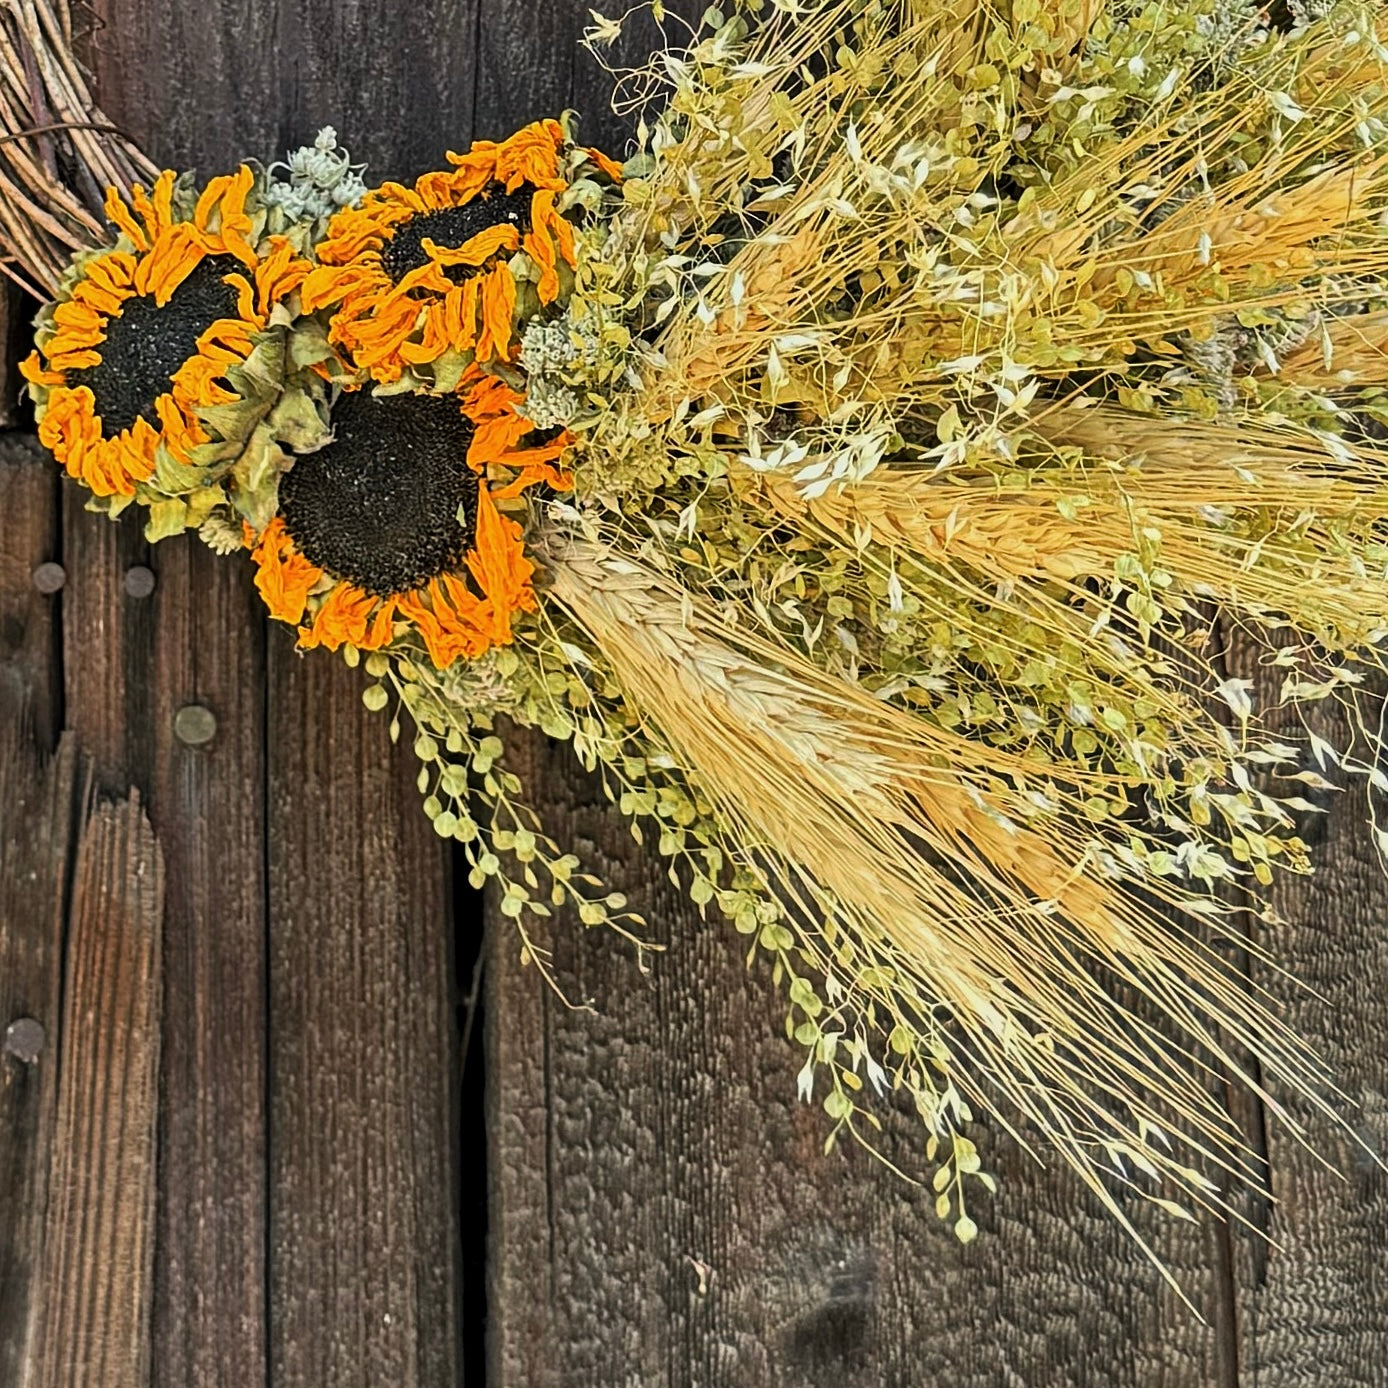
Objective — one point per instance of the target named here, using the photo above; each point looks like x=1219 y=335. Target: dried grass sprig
x=1001 y=361
x=1075 y=521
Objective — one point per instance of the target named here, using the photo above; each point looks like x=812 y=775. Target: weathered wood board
x=659 y=1210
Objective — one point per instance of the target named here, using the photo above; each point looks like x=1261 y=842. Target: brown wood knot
x=24 y=1039
x=49 y=577
x=140 y=582
x=195 y=724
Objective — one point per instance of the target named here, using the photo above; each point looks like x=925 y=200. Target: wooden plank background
x=322 y=1189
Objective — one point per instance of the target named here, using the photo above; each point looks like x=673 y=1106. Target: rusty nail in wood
x=49 y=577
x=24 y=1039
x=195 y=724
x=139 y=581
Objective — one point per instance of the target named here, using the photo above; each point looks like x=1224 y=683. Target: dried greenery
x=980 y=351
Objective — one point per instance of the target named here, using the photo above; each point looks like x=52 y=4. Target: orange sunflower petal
x=119 y=215
x=537 y=466
x=166 y=252
x=436 y=339
x=162 y=202
x=283 y=576
x=245 y=297
x=500 y=566
x=531 y=155
x=81 y=320
x=476 y=249
x=608 y=165
x=226 y=197
x=541 y=250
x=382 y=628
x=236 y=222
x=447 y=628
x=155 y=212
x=171 y=259
x=114 y=271
x=498 y=295
x=139 y=200
x=497 y=427
x=326 y=284
x=381 y=334
x=34 y=371
x=72 y=360
x=71 y=430
x=181 y=433
x=474 y=171
x=281 y=272
x=342 y=619
x=467 y=316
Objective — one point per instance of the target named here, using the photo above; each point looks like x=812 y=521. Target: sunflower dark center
x=145 y=345
x=379 y=505
x=453 y=227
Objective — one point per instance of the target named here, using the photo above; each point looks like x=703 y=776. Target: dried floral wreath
x=865 y=477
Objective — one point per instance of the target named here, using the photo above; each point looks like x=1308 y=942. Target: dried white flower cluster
x=221 y=534
x=1232 y=27
x=321 y=179
x=551 y=354
x=1308 y=11
x=548 y=404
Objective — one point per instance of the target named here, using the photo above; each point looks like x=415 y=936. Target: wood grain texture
x=530 y=64
x=208 y=85
x=130 y=664
x=30 y=670
x=98 y=1256
x=207 y=804
x=663 y=1213
x=363 y=1064
x=344 y=1269
x=38 y=797
x=38 y=808
x=1315 y=1303
x=654 y=1146
x=12 y=314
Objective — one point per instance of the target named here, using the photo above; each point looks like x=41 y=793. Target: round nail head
x=24 y=1039
x=49 y=577
x=195 y=724
x=139 y=581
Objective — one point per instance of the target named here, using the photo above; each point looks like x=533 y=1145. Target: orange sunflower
x=394 y=523
x=414 y=272
x=149 y=329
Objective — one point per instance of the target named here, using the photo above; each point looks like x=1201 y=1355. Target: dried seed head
x=453 y=227
x=380 y=505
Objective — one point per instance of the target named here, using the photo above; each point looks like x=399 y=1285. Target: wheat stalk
x=1099 y=262
x=1351 y=350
